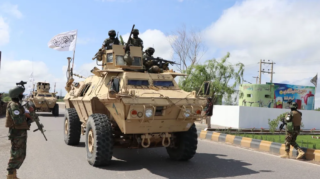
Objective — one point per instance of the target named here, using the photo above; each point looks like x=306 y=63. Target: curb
x=260 y=145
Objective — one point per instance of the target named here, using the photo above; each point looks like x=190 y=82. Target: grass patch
x=302 y=140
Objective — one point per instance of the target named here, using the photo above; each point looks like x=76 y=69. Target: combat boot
x=286 y=155
x=301 y=154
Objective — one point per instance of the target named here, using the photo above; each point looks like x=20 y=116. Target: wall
x=225 y=116
x=249 y=117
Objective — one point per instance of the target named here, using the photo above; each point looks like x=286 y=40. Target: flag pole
x=315 y=89
x=74 y=53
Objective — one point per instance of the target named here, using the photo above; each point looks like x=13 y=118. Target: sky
x=283 y=31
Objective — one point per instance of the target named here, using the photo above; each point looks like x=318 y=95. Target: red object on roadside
x=298 y=101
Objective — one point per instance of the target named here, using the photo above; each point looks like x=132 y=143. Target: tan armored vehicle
x=121 y=106
x=43 y=100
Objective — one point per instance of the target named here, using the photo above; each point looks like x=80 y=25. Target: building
x=276 y=95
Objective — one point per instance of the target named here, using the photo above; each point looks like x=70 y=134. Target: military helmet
x=293 y=105
x=112 y=33
x=150 y=51
x=135 y=32
x=16 y=91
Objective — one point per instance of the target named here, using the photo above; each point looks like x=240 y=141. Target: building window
x=249 y=95
x=267 y=96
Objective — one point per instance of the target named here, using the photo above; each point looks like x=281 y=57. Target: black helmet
x=209 y=98
x=112 y=33
x=16 y=91
x=135 y=32
x=293 y=105
x=150 y=51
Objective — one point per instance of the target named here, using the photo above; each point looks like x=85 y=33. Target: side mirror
x=207 y=88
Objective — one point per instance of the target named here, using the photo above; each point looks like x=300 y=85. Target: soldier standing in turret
x=136 y=41
x=18 y=120
x=107 y=44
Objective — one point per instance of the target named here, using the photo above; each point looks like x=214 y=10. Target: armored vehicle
x=122 y=105
x=43 y=100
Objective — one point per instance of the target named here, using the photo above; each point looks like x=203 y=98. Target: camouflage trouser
x=291 y=140
x=18 y=148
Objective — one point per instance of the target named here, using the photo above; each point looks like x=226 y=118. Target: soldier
x=107 y=44
x=148 y=61
x=208 y=111
x=293 y=122
x=136 y=41
x=18 y=120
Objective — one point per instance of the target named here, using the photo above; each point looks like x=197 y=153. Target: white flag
x=65 y=41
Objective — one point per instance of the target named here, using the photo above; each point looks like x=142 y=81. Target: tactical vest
x=295 y=121
x=10 y=122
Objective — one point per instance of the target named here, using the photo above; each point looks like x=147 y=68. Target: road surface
x=53 y=159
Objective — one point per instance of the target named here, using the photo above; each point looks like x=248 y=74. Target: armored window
x=120 y=60
x=48 y=95
x=249 y=95
x=138 y=82
x=267 y=96
x=109 y=57
x=163 y=83
x=136 y=61
x=85 y=89
x=40 y=95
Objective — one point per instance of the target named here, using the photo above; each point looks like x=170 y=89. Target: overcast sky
x=284 y=31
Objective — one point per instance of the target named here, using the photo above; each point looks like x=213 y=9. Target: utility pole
x=260 y=72
x=256 y=77
x=271 y=72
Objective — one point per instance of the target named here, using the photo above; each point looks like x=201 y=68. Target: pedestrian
x=208 y=111
x=293 y=123
x=18 y=120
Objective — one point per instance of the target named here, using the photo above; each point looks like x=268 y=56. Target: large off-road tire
x=55 y=110
x=99 y=140
x=72 y=127
x=185 y=145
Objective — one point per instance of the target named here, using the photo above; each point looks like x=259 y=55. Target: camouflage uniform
x=107 y=44
x=18 y=125
x=147 y=58
x=208 y=111
x=136 y=41
x=293 y=122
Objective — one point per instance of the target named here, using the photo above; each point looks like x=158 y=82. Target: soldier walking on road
x=293 y=122
x=18 y=120
x=208 y=111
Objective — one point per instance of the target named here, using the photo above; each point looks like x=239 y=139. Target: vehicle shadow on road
x=202 y=165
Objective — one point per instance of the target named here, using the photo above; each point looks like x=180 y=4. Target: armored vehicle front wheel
x=55 y=110
x=72 y=127
x=99 y=140
x=185 y=145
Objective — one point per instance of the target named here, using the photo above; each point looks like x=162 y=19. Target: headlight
x=109 y=57
x=149 y=112
x=187 y=113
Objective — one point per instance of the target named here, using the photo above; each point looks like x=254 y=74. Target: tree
x=218 y=73
x=188 y=47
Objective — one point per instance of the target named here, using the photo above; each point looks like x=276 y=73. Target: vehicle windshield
x=163 y=83
x=138 y=82
x=40 y=94
x=48 y=95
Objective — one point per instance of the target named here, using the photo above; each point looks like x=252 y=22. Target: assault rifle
x=33 y=114
x=126 y=48
x=160 y=61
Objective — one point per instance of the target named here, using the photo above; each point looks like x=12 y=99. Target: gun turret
x=21 y=83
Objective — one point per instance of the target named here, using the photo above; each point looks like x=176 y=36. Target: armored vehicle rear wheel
x=55 y=110
x=72 y=127
x=99 y=140
x=185 y=145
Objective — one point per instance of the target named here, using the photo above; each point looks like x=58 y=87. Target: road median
x=256 y=144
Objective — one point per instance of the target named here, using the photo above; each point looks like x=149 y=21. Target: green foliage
x=273 y=124
x=5 y=97
x=121 y=40
x=219 y=73
x=318 y=109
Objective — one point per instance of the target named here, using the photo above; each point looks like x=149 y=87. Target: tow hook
x=166 y=143
x=144 y=138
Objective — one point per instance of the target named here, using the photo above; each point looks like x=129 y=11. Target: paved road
x=55 y=160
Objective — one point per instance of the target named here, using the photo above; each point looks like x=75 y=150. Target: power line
x=263 y=71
